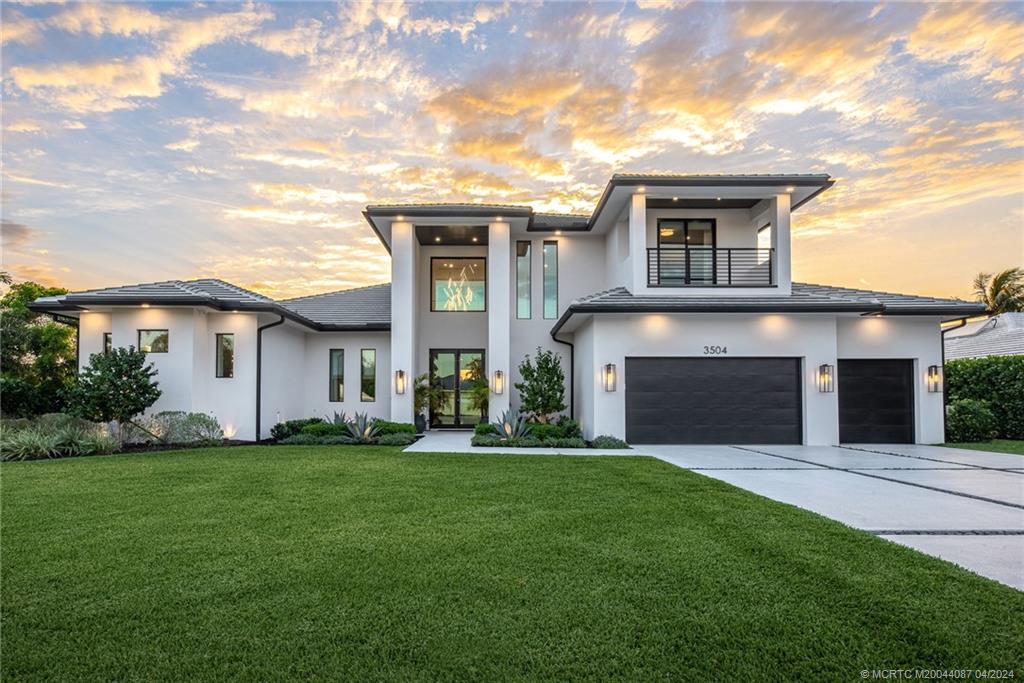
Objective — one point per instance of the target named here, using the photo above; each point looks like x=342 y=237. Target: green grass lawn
x=337 y=563
x=1015 y=447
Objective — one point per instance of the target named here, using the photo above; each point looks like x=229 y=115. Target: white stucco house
x=671 y=305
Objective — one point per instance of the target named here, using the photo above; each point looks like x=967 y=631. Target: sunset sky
x=241 y=141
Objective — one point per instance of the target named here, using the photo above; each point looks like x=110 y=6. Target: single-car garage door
x=876 y=401
x=713 y=400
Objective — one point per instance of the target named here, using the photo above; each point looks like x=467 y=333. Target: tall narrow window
x=337 y=375
x=108 y=342
x=368 y=375
x=523 y=255
x=225 y=355
x=153 y=341
x=550 y=280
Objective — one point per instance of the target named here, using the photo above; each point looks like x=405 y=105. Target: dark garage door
x=713 y=400
x=876 y=401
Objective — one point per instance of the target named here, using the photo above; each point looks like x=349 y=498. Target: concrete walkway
x=963 y=506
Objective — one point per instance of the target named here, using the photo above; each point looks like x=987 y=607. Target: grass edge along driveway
x=259 y=563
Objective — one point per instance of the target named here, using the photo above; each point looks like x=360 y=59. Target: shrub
x=969 y=419
x=565 y=428
x=54 y=421
x=397 y=439
x=282 y=430
x=484 y=429
x=996 y=379
x=542 y=390
x=515 y=442
x=487 y=440
x=337 y=441
x=15 y=424
x=301 y=440
x=605 y=441
x=325 y=429
x=385 y=428
x=41 y=441
x=565 y=442
x=114 y=386
x=174 y=427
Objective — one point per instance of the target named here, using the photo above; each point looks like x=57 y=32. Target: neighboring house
x=671 y=305
x=1001 y=335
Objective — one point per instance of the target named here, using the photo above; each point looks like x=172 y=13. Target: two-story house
x=671 y=305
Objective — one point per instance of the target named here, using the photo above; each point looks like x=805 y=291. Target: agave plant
x=338 y=419
x=363 y=427
x=511 y=425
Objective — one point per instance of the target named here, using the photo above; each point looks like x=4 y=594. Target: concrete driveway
x=963 y=506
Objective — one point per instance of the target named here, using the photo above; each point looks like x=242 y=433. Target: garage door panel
x=876 y=400
x=713 y=400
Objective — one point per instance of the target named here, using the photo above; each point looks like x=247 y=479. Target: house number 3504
x=715 y=350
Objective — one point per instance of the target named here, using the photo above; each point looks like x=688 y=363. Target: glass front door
x=460 y=376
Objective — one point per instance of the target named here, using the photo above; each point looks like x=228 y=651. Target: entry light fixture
x=609 y=377
x=499 y=382
x=826 y=378
x=934 y=379
x=399 y=382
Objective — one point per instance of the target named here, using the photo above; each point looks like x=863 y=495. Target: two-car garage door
x=758 y=401
x=713 y=400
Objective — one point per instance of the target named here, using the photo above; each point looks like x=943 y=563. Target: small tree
x=542 y=390
x=115 y=386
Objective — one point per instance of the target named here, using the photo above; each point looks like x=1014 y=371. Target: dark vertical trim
x=572 y=375
x=259 y=369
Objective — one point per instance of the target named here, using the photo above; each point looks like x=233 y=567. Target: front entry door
x=459 y=374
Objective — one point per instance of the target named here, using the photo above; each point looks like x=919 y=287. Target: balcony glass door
x=459 y=374
x=686 y=254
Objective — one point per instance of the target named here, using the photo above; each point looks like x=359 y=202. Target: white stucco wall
x=315 y=378
x=580 y=273
x=918 y=339
x=91 y=327
x=284 y=361
x=232 y=400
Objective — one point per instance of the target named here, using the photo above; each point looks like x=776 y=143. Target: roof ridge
x=229 y=285
x=337 y=291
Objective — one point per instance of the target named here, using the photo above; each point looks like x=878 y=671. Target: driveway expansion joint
x=1013 y=470
x=945 y=532
x=878 y=476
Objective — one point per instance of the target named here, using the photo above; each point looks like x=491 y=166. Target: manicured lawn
x=1015 y=447
x=334 y=563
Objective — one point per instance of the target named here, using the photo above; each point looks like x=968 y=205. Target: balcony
x=710 y=267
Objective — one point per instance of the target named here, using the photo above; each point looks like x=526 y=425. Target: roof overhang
x=68 y=306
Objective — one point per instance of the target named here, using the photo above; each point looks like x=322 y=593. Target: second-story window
x=154 y=341
x=550 y=280
x=523 y=256
x=225 y=355
x=108 y=342
x=458 y=284
x=337 y=369
x=368 y=375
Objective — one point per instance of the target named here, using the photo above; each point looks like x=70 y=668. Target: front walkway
x=963 y=506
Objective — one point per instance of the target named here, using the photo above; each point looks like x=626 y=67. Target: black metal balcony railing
x=710 y=267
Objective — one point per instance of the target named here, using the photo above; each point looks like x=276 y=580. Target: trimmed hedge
x=562 y=429
x=605 y=441
x=385 y=427
x=969 y=420
x=283 y=430
x=484 y=429
x=396 y=439
x=326 y=429
x=997 y=380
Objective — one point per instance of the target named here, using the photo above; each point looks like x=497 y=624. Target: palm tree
x=1002 y=292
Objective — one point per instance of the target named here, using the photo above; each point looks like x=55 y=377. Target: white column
x=403 y=317
x=499 y=311
x=638 y=242
x=780 y=242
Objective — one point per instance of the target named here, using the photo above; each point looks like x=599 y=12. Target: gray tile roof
x=357 y=309
x=366 y=306
x=559 y=221
x=1002 y=335
x=805 y=298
